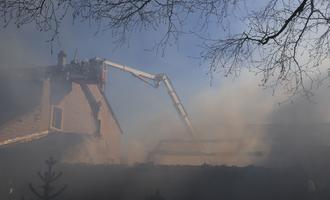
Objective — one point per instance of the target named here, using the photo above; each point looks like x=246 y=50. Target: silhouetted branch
x=286 y=41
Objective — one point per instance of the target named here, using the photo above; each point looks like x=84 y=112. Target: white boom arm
x=157 y=78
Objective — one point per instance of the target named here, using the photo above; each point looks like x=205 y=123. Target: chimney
x=61 y=59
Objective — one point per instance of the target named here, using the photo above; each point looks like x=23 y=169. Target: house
x=64 y=99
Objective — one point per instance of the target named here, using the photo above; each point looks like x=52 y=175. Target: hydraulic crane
x=155 y=81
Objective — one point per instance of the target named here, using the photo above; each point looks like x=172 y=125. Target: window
x=98 y=127
x=57 y=118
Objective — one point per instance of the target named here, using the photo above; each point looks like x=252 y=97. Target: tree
x=48 y=178
x=285 y=40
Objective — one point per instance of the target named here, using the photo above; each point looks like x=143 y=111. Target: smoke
x=247 y=124
x=18 y=50
x=232 y=114
x=228 y=115
x=299 y=133
x=267 y=133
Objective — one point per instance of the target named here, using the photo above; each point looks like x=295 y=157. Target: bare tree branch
x=286 y=41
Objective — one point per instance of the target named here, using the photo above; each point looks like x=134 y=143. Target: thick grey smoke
x=17 y=51
x=291 y=133
x=250 y=124
x=233 y=114
x=299 y=133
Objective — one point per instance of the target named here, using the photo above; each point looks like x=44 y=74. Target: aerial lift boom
x=155 y=80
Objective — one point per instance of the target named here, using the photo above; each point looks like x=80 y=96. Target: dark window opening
x=98 y=127
x=57 y=118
